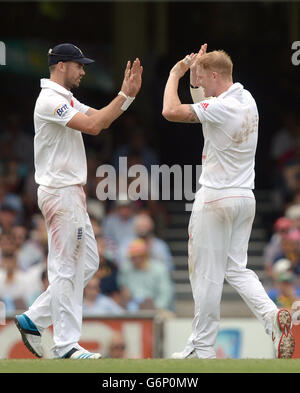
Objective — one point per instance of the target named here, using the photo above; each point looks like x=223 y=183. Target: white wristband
x=198 y=94
x=128 y=102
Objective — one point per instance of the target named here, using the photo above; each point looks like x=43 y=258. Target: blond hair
x=218 y=61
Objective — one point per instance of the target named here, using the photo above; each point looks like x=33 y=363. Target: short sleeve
x=56 y=110
x=211 y=110
x=79 y=106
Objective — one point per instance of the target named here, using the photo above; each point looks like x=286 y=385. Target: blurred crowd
x=285 y=159
x=135 y=262
x=282 y=253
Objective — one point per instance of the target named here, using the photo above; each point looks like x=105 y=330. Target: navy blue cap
x=67 y=52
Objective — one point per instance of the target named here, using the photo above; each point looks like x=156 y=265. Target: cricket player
x=224 y=206
x=61 y=172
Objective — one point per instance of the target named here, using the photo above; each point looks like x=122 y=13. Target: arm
x=196 y=90
x=173 y=109
x=94 y=121
x=91 y=111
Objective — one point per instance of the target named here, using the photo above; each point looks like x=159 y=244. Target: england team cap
x=67 y=52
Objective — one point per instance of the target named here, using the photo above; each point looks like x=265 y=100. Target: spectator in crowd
x=285 y=152
x=291 y=250
x=157 y=248
x=295 y=199
x=19 y=233
x=285 y=290
x=116 y=346
x=14 y=176
x=15 y=143
x=291 y=180
x=119 y=225
x=96 y=210
x=29 y=197
x=293 y=214
x=8 y=217
x=275 y=247
x=7 y=244
x=95 y=303
x=38 y=234
x=28 y=252
x=146 y=280
x=108 y=269
x=97 y=227
x=13 y=288
x=8 y=198
x=285 y=139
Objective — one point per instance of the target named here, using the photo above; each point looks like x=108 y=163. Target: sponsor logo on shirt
x=204 y=105
x=61 y=110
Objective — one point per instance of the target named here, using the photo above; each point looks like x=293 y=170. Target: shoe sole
x=25 y=341
x=286 y=344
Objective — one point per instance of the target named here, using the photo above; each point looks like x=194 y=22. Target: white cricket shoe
x=30 y=334
x=180 y=355
x=76 y=353
x=283 y=340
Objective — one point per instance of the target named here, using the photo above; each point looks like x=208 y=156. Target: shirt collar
x=48 y=84
x=234 y=89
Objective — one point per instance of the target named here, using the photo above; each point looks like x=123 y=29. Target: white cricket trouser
x=219 y=231
x=72 y=261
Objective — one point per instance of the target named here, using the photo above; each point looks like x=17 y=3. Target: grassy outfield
x=151 y=366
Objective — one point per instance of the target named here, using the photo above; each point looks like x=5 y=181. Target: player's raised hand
x=193 y=69
x=202 y=50
x=181 y=67
x=132 y=78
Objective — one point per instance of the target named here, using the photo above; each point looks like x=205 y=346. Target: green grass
x=150 y=366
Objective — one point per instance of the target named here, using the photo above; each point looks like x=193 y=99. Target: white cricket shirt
x=230 y=129
x=59 y=153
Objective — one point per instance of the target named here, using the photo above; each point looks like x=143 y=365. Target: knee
x=238 y=276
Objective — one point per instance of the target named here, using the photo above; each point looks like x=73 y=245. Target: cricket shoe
x=181 y=355
x=283 y=340
x=76 y=353
x=30 y=334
